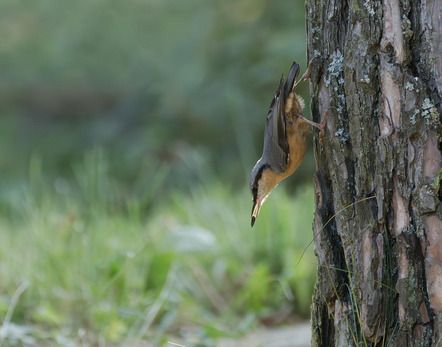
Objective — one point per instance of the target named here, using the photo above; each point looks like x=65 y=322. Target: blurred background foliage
x=128 y=130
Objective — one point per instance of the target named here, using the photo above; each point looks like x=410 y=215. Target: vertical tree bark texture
x=380 y=259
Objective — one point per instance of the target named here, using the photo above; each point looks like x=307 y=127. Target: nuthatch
x=285 y=139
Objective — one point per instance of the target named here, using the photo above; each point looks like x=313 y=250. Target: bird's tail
x=291 y=79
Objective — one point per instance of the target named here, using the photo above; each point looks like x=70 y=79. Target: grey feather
x=276 y=147
x=291 y=79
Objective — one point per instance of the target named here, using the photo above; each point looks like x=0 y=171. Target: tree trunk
x=378 y=172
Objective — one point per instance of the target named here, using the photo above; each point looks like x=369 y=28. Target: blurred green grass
x=147 y=80
x=128 y=130
x=121 y=274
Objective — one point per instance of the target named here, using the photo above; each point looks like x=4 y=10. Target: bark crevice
x=377 y=66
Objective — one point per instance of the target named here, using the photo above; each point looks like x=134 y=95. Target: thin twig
x=14 y=301
x=357 y=274
x=342 y=306
x=215 y=298
x=341 y=210
x=175 y=344
x=152 y=311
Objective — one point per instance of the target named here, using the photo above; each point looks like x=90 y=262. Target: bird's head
x=262 y=181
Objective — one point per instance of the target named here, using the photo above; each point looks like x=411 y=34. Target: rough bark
x=379 y=259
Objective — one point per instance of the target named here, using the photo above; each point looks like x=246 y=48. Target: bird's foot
x=306 y=74
x=320 y=126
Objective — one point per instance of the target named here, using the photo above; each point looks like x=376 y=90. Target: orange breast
x=297 y=139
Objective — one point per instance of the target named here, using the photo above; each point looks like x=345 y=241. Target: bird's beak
x=255 y=210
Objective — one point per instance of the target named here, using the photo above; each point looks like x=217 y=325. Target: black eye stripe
x=257 y=178
x=254 y=194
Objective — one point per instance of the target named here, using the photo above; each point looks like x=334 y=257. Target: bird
x=285 y=139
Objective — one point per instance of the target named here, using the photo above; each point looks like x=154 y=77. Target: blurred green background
x=128 y=130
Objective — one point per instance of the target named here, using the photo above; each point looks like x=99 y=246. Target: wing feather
x=276 y=147
x=291 y=79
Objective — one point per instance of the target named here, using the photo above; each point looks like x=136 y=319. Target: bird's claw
x=306 y=74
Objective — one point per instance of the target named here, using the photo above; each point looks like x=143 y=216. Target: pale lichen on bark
x=378 y=66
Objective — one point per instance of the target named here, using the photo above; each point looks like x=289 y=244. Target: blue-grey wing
x=291 y=79
x=276 y=147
